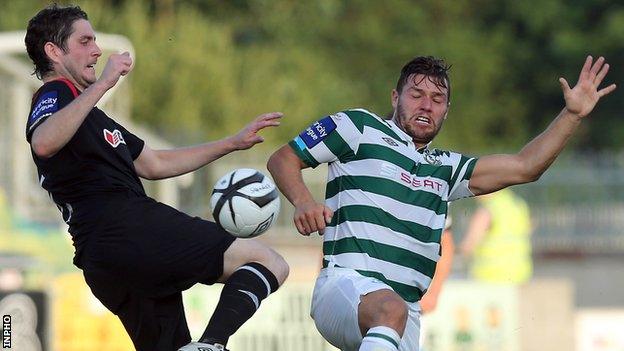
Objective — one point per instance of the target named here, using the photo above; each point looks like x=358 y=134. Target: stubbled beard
x=418 y=135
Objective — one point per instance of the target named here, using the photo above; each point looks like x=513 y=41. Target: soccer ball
x=245 y=202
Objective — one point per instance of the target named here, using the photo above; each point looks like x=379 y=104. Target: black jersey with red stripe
x=97 y=161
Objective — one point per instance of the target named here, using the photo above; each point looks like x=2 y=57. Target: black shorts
x=139 y=259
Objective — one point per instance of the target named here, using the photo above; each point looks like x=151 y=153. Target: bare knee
x=243 y=251
x=382 y=307
x=274 y=262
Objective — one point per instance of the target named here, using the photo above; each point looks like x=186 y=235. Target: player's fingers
x=124 y=69
x=273 y=115
x=320 y=224
x=328 y=214
x=596 y=66
x=297 y=224
x=600 y=76
x=251 y=141
x=300 y=226
x=269 y=116
x=585 y=70
x=268 y=123
x=606 y=90
x=311 y=221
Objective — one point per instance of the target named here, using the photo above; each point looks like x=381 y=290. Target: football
x=245 y=202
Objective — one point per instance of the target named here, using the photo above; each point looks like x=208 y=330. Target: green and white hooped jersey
x=389 y=200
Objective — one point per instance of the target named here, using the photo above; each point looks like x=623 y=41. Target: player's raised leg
x=251 y=271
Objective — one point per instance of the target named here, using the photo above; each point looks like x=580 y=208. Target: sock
x=240 y=298
x=380 y=339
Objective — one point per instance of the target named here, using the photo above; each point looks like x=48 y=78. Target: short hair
x=52 y=24
x=433 y=68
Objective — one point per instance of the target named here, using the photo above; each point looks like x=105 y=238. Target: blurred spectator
x=11 y=279
x=498 y=240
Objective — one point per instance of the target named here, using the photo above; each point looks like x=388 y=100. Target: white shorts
x=335 y=304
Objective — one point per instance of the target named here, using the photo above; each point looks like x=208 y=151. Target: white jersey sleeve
x=332 y=138
x=462 y=171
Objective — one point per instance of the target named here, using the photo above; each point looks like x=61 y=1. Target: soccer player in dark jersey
x=137 y=255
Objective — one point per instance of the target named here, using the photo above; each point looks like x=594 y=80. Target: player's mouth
x=423 y=120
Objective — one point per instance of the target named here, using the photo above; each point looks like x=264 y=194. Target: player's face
x=78 y=62
x=420 y=108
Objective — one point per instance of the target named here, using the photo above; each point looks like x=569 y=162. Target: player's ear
x=52 y=51
x=395 y=98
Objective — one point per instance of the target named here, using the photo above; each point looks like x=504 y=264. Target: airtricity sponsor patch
x=46 y=105
x=318 y=131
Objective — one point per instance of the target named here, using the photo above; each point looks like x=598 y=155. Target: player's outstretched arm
x=495 y=172
x=56 y=131
x=285 y=167
x=160 y=164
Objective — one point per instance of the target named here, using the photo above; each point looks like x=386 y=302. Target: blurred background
x=204 y=68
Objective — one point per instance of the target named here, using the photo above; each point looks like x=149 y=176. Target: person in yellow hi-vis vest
x=498 y=240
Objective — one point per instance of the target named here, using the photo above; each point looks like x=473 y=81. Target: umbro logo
x=114 y=138
x=390 y=141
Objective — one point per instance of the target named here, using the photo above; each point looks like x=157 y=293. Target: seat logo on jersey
x=318 y=131
x=391 y=171
x=114 y=138
x=416 y=182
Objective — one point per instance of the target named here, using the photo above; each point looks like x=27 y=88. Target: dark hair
x=52 y=24
x=435 y=69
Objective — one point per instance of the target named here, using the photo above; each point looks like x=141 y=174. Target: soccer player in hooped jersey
x=387 y=197
x=137 y=254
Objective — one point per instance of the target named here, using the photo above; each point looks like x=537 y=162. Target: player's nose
x=97 y=52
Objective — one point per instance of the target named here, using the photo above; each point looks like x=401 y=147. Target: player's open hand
x=312 y=217
x=117 y=65
x=249 y=137
x=581 y=99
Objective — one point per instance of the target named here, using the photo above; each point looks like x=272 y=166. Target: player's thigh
x=243 y=251
x=335 y=304
x=156 y=249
